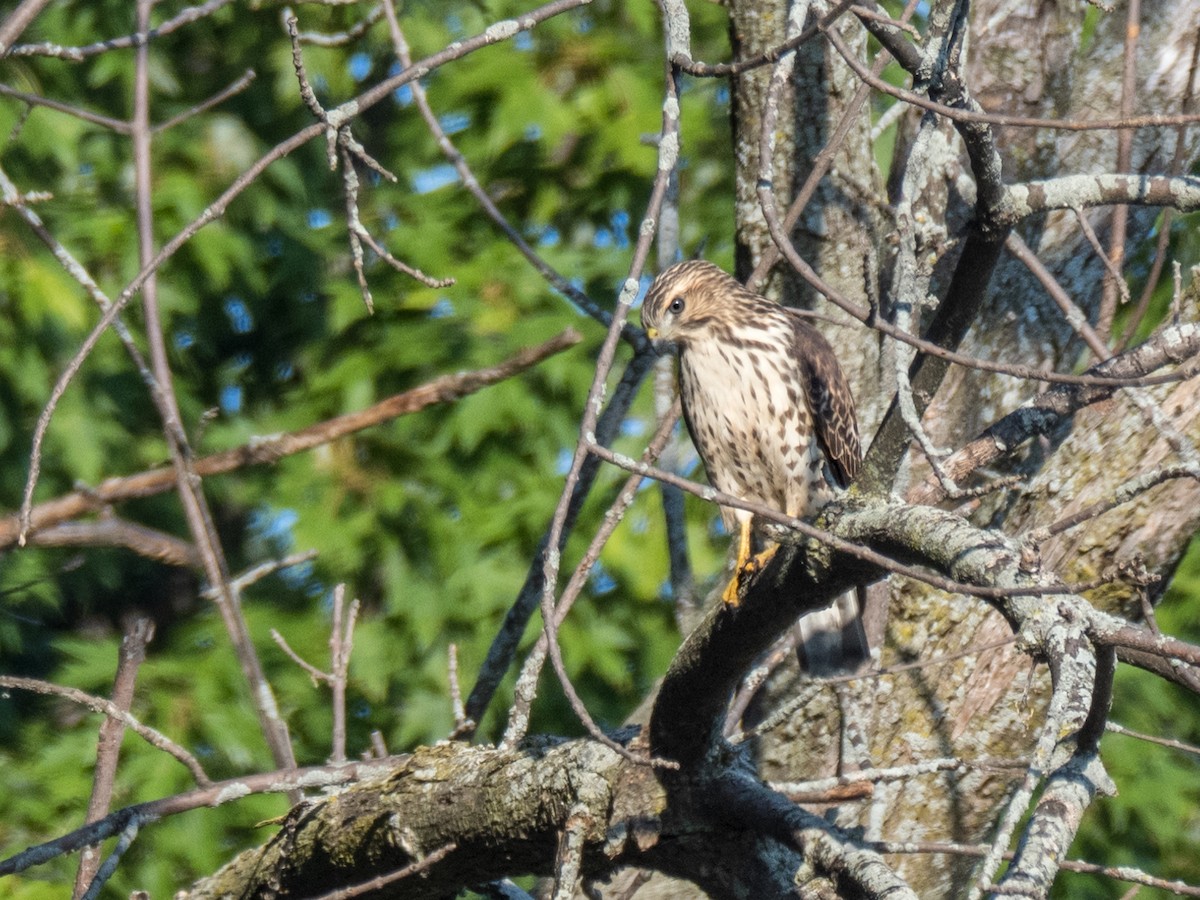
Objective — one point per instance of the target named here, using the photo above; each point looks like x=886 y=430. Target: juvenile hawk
x=767 y=405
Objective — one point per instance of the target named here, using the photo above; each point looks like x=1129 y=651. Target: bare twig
x=824 y=159
x=188 y=484
x=503 y=649
x=239 y=85
x=1114 y=259
x=683 y=589
x=1123 y=494
x=117 y=125
x=212 y=795
x=314 y=673
x=262 y=570
x=783 y=650
x=138 y=635
x=341 y=643
x=110 y=709
x=404 y=268
x=105 y=872
x=382 y=881
x=349 y=150
x=17 y=21
x=471 y=183
x=1111 y=265
x=1190 y=749
x=109 y=531
x=1164 y=230
x=269 y=449
x=526 y=687
x=378 y=747
x=668 y=149
x=13 y=198
x=351 y=34
x=186 y=17
x=1152 y=280
x=1116 y=633
x=1070 y=310
x=719 y=70
x=456 y=701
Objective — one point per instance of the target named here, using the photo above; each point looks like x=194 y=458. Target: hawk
x=765 y=400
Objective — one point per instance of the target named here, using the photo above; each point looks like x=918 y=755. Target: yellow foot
x=746 y=567
x=760 y=560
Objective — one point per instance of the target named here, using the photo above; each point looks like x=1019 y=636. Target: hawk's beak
x=652 y=333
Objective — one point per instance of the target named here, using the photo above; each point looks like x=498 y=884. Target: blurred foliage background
x=431 y=520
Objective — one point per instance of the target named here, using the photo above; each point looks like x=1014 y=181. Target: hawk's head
x=687 y=299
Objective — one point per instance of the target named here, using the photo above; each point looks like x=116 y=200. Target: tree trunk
x=988 y=705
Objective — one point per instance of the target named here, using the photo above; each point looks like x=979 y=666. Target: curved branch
x=502 y=811
x=114 y=713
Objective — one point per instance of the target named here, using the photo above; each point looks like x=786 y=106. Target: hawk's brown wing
x=829 y=401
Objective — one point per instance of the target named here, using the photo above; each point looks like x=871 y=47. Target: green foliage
x=431 y=520
x=1156 y=835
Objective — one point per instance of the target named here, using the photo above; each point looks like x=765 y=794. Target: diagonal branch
x=213 y=794
x=266 y=450
x=1045 y=412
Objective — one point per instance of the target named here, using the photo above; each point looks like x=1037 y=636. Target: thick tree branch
x=502 y=811
x=1181 y=193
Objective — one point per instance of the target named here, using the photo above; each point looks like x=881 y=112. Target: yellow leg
x=730 y=595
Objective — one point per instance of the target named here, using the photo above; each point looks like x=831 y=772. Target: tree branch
x=270 y=449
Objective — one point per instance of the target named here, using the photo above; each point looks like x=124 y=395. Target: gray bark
x=1024 y=61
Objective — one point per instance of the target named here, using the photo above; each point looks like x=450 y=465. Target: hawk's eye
x=676 y=306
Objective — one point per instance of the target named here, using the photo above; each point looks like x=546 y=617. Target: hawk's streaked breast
x=765 y=400
x=749 y=420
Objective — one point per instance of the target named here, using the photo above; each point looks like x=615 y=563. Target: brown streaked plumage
x=767 y=405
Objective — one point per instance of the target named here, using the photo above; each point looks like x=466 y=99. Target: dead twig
x=341 y=643
x=108 y=747
x=269 y=449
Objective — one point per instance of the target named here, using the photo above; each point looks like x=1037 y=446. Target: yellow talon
x=760 y=561
x=730 y=595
